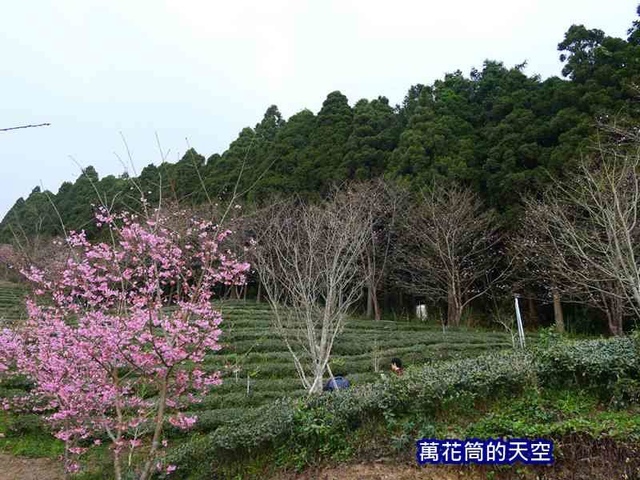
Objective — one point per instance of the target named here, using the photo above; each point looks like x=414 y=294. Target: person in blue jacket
x=337 y=383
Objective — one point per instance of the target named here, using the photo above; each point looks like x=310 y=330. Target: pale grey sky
x=203 y=70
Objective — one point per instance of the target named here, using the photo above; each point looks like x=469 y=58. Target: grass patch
x=25 y=435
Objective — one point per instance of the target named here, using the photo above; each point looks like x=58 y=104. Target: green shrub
x=303 y=432
x=298 y=433
x=596 y=364
x=256 y=429
x=625 y=392
x=317 y=432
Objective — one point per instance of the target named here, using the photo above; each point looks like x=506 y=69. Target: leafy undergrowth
x=584 y=395
x=552 y=414
x=562 y=390
x=24 y=435
x=593 y=439
x=590 y=420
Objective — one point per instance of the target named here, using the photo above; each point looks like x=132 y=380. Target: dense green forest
x=497 y=133
x=378 y=234
x=497 y=130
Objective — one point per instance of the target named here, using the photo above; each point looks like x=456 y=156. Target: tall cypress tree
x=373 y=138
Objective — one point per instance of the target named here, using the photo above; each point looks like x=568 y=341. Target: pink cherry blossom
x=102 y=336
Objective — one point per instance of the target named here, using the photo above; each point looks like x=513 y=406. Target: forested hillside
x=496 y=130
x=337 y=285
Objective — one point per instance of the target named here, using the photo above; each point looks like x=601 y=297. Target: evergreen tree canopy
x=496 y=130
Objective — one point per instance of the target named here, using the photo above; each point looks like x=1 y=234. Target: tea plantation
x=257 y=367
x=11 y=301
x=468 y=383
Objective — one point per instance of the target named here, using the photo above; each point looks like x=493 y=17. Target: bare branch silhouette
x=24 y=126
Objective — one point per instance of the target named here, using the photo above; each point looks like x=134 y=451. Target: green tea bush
x=259 y=428
x=320 y=427
x=596 y=364
x=625 y=392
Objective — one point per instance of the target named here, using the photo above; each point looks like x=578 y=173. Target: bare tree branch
x=24 y=126
x=591 y=227
x=449 y=249
x=309 y=261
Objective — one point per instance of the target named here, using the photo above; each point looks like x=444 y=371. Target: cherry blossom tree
x=115 y=342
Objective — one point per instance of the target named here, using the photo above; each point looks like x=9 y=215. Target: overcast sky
x=203 y=70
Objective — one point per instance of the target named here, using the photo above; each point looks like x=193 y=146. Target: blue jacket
x=339 y=383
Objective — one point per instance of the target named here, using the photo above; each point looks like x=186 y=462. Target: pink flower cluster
x=113 y=342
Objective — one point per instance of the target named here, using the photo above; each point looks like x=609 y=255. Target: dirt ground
x=23 y=468
x=398 y=472
x=378 y=472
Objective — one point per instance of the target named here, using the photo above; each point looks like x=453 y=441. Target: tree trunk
x=613 y=309
x=258 y=299
x=616 y=326
x=454 y=310
x=159 y=422
x=532 y=312
x=316 y=386
x=557 y=311
x=376 y=306
x=369 y=302
x=614 y=322
x=636 y=295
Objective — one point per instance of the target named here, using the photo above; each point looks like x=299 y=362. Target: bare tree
x=384 y=203
x=448 y=249
x=309 y=261
x=544 y=266
x=591 y=221
x=535 y=262
x=609 y=298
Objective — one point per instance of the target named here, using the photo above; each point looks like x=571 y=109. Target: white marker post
x=520 y=326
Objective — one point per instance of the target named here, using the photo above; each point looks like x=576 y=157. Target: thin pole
x=520 y=326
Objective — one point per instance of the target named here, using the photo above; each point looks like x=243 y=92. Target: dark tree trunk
x=376 y=306
x=614 y=311
x=532 y=312
x=557 y=311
